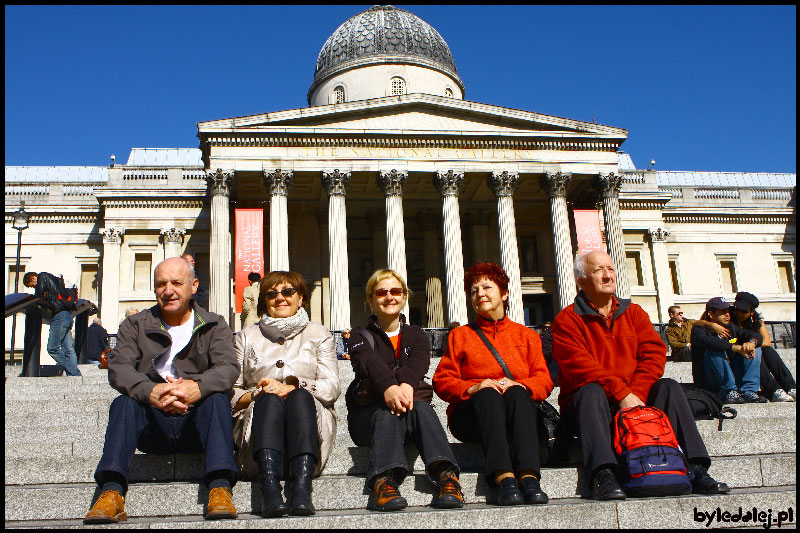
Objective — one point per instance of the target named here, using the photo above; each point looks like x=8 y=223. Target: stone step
x=673 y=512
x=347 y=492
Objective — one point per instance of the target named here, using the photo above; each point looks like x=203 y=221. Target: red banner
x=249 y=252
x=587 y=228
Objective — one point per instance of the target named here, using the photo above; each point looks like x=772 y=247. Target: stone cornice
x=163 y=203
x=727 y=218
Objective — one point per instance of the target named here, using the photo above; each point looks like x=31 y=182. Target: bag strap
x=492 y=349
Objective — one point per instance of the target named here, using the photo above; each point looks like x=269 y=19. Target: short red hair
x=490 y=271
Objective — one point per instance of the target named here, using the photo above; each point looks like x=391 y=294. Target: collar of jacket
x=492 y=326
x=202 y=318
x=582 y=307
x=272 y=333
x=374 y=327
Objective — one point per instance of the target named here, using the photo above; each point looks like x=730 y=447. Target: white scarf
x=289 y=326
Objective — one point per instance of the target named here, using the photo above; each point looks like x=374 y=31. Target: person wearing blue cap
x=727 y=365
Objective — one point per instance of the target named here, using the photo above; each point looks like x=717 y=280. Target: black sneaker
x=606 y=487
x=705 y=484
x=753 y=397
x=732 y=397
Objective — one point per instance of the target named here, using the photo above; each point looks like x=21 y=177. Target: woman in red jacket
x=486 y=405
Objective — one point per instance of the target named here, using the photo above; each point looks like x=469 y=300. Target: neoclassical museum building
x=390 y=165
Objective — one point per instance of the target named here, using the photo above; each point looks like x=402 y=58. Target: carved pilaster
x=448 y=183
x=219 y=182
x=278 y=182
x=392 y=183
x=504 y=183
x=335 y=182
x=608 y=185
x=556 y=184
x=173 y=235
x=658 y=234
x=113 y=235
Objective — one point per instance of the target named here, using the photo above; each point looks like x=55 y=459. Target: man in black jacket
x=728 y=366
x=96 y=341
x=60 y=344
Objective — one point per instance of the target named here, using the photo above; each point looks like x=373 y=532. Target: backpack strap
x=492 y=349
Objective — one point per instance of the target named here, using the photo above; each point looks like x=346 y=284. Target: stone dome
x=384 y=34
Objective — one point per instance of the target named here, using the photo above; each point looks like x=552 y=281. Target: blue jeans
x=740 y=373
x=60 y=344
x=207 y=426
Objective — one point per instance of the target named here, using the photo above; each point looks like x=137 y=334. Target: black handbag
x=547 y=418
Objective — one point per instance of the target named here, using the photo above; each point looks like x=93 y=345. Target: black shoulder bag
x=547 y=415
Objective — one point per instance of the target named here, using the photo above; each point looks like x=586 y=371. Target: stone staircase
x=55 y=429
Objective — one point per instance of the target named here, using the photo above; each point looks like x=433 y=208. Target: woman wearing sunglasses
x=283 y=402
x=488 y=406
x=388 y=400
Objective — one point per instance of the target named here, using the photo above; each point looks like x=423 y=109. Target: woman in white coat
x=283 y=402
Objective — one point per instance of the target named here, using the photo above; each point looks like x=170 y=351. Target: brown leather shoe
x=220 y=504
x=108 y=509
x=450 y=496
x=386 y=497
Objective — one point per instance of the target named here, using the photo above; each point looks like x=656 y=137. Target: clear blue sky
x=698 y=88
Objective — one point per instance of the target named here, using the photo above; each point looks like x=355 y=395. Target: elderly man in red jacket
x=609 y=358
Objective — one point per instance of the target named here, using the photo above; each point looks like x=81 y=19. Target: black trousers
x=683 y=354
x=504 y=424
x=288 y=425
x=590 y=416
x=375 y=426
x=774 y=374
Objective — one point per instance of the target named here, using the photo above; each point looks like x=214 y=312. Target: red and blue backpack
x=651 y=463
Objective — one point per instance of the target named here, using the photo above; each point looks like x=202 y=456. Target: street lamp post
x=20 y=223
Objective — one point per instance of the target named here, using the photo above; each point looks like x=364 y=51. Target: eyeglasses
x=679 y=313
x=288 y=291
x=394 y=291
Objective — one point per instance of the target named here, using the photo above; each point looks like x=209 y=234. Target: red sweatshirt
x=467 y=361
x=627 y=357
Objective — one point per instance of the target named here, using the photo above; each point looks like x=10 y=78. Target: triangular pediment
x=414 y=114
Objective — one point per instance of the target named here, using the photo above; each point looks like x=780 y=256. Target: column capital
x=448 y=183
x=335 y=182
x=393 y=182
x=556 y=184
x=278 y=182
x=112 y=235
x=428 y=221
x=503 y=183
x=658 y=234
x=219 y=182
x=608 y=185
x=173 y=234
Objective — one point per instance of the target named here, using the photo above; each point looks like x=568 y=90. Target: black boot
x=270 y=470
x=299 y=485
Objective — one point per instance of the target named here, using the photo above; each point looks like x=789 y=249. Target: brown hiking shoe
x=220 y=504
x=108 y=509
x=450 y=496
x=386 y=497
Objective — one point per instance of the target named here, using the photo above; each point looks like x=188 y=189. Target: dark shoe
x=732 y=397
x=508 y=492
x=386 y=497
x=270 y=471
x=220 y=504
x=108 y=509
x=299 y=485
x=532 y=492
x=606 y=487
x=705 y=484
x=450 y=496
x=753 y=397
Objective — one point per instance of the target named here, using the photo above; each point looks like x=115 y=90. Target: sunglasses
x=288 y=291
x=395 y=291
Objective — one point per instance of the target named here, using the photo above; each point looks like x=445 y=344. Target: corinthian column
x=336 y=184
x=503 y=184
x=109 y=302
x=392 y=184
x=449 y=185
x=278 y=184
x=660 y=259
x=428 y=223
x=219 y=187
x=556 y=186
x=173 y=238
x=608 y=187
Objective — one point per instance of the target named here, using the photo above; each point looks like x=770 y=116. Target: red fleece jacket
x=468 y=361
x=628 y=357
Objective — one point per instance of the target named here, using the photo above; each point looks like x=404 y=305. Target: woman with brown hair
x=389 y=401
x=283 y=401
x=488 y=406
